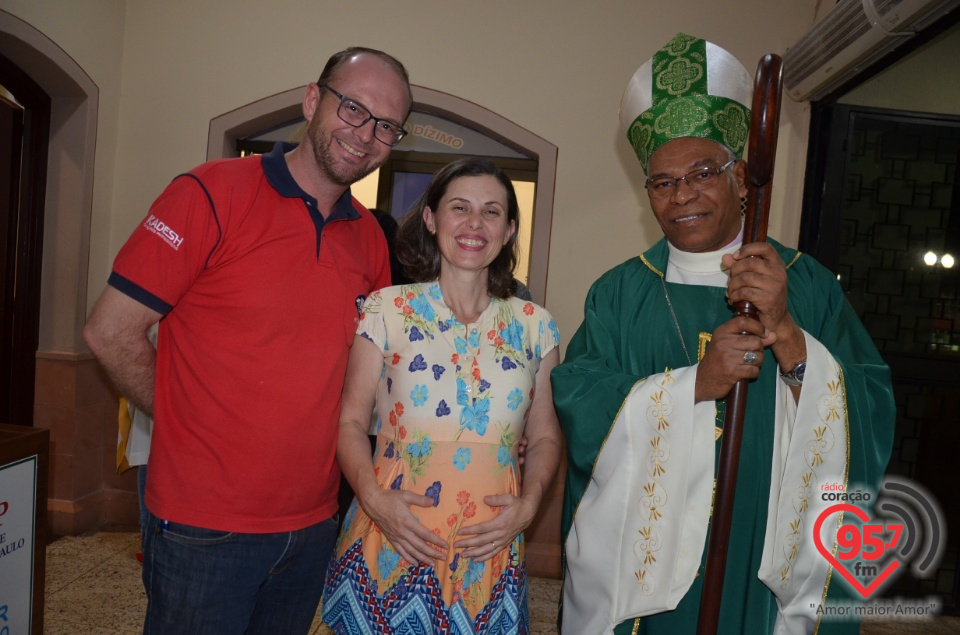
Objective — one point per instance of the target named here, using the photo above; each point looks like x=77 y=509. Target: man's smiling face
x=698 y=220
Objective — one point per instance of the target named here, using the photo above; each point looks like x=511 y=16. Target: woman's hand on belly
x=390 y=510
x=484 y=540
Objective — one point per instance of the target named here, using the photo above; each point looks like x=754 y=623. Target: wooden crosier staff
x=764 y=121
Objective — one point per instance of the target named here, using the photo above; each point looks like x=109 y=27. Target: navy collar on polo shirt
x=278 y=175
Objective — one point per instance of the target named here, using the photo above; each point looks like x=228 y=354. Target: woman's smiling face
x=471 y=222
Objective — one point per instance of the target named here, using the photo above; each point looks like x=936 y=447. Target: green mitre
x=690 y=88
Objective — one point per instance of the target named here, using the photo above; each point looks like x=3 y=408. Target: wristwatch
x=795 y=376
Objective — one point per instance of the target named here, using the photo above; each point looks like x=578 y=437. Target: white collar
x=704 y=262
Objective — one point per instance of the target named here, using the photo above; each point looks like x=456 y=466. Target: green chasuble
x=629 y=334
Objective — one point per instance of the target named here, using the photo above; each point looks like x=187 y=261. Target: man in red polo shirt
x=255 y=268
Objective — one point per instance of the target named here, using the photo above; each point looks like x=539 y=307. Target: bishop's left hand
x=758 y=275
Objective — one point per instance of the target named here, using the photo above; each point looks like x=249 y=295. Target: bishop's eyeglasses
x=699 y=179
x=356 y=115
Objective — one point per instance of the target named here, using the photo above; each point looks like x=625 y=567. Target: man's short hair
x=337 y=60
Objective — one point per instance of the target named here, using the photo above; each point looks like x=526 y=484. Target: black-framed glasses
x=356 y=114
x=699 y=179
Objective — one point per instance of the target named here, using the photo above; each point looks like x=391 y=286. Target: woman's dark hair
x=417 y=248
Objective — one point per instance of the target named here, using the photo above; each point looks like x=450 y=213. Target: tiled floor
x=94 y=587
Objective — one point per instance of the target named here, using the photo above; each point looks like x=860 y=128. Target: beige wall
x=557 y=68
x=88 y=35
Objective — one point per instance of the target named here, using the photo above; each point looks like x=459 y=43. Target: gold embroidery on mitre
x=680 y=118
x=679 y=75
x=733 y=125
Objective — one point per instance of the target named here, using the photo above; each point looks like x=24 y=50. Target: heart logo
x=891 y=566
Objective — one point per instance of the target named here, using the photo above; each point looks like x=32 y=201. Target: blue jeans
x=206 y=581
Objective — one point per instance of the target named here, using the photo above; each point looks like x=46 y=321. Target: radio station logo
x=905 y=529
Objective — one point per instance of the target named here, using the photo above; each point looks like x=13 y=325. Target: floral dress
x=453 y=401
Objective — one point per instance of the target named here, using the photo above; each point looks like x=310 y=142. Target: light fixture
x=947 y=261
x=930 y=258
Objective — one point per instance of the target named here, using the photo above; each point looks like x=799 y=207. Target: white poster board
x=18 y=514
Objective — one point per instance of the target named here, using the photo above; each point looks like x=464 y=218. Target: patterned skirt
x=414 y=604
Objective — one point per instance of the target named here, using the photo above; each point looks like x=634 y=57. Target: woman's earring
x=743 y=206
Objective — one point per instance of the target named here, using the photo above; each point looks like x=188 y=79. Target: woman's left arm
x=542 y=432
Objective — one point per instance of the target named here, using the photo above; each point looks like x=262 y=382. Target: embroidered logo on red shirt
x=161 y=229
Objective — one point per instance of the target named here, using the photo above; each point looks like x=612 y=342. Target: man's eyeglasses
x=699 y=179
x=357 y=115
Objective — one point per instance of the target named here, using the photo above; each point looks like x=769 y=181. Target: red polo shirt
x=259 y=295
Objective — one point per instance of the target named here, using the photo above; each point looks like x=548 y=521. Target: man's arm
x=117 y=334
